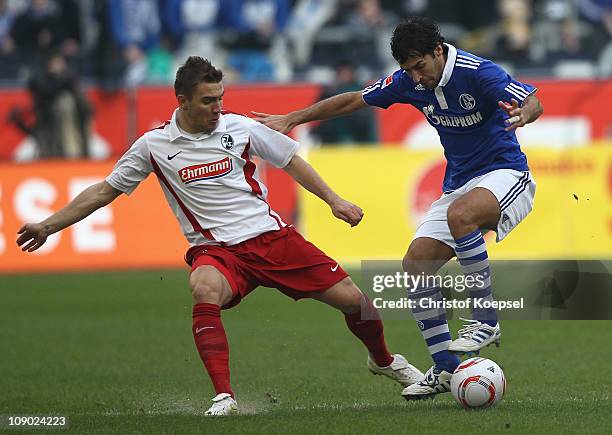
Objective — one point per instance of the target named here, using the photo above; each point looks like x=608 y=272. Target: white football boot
x=223 y=404
x=435 y=381
x=474 y=336
x=400 y=370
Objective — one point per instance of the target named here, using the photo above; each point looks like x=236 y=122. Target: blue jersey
x=464 y=110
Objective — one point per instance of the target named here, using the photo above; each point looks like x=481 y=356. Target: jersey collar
x=177 y=133
x=449 y=66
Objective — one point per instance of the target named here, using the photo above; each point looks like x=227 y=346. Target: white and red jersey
x=210 y=180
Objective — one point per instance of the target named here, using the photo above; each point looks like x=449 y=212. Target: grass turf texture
x=114 y=352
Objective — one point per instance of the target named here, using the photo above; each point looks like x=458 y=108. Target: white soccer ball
x=478 y=383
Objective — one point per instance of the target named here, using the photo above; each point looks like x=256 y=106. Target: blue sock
x=434 y=327
x=471 y=252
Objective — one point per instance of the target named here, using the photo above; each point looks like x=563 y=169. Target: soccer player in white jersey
x=203 y=159
x=475 y=106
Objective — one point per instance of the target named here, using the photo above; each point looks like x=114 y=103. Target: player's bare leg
x=425 y=256
x=476 y=210
x=210 y=291
x=364 y=322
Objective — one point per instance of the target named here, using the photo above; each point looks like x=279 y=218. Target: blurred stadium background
x=80 y=80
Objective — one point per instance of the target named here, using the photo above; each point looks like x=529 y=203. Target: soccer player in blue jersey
x=475 y=106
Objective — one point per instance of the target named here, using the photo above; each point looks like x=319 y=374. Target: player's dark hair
x=193 y=72
x=415 y=36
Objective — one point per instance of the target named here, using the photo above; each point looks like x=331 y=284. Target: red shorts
x=282 y=259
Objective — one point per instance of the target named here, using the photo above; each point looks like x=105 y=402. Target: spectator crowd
x=128 y=42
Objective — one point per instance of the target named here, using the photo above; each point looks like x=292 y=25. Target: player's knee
x=352 y=297
x=459 y=215
x=354 y=302
x=414 y=261
x=407 y=262
x=205 y=290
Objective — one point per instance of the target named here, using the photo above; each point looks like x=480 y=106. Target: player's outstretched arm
x=305 y=174
x=331 y=107
x=33 y=235
x=519 y=116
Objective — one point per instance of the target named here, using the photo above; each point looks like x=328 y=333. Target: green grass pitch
x=114 y=352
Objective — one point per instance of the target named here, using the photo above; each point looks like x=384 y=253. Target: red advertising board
x=120 y=118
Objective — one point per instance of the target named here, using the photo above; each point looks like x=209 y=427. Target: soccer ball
x=478 y=383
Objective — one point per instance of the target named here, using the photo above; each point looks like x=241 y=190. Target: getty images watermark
x=520 y=289
x=421 y=291
x=448 y=292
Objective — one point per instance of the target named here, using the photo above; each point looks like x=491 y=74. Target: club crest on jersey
x=227 y=141
x=467 y=101
x=206 y=171
x=386 y=82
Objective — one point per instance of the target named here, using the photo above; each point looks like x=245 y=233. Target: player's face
x=426 y=70
x=202 y=111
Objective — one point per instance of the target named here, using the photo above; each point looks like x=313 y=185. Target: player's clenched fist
x=32 y=237
x=347 y=211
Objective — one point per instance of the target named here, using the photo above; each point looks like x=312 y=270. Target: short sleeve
x=271 y=145
x=133 y=167
x=497 y=85
x=385 y=92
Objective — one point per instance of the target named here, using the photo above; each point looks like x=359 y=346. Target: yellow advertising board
x=572 y=216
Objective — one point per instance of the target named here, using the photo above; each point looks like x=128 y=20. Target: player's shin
x=432 y=323
x=212 y=345
x=471 y=252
